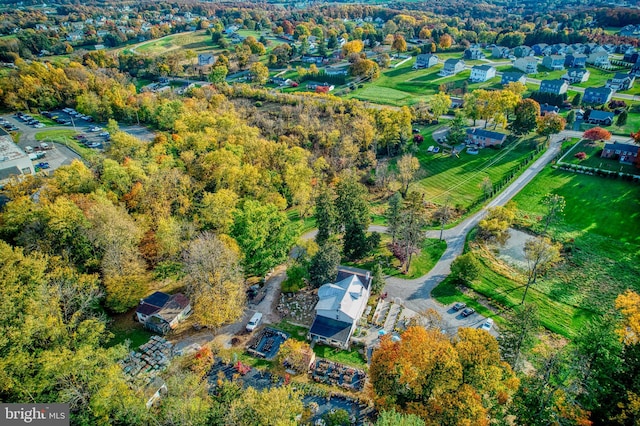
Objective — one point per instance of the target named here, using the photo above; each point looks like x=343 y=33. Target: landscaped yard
x=431 y=251
x=351 y=357
x=593 y=159
x=459 y=179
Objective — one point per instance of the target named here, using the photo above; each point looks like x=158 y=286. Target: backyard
x=593 y=150
x=459 y=178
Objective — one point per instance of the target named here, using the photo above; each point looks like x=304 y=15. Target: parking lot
x=91 y=135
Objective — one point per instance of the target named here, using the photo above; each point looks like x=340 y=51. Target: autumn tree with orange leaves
x=445 y=382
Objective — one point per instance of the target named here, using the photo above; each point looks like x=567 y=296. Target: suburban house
x=510 y=77
x=553 y=62
x=161 y=312
x=452 y=67
x=627 y=153
x=575 y=60
x=528 y=65
x=425 y=61
x=314 y=85
x=599 y=59
x=621 y=81
x=548 y=109
x=473 y=53
x=559 y=49
x=75 y=36
x=481 y=73
x=576 y=75
x=205 y=59
x=630 y=31
x=311 y=59
x=597 y=95
x=13 y=160
x=541 y=49
x=340 y=307
x=556 y=87
x=500 y=52
x=602 y=118
x=631 y=57
x=635 y=69
x=522 y=51
x=485 y=138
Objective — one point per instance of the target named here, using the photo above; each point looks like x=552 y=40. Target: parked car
x=103 y=134
x=254 y=321
x=46 y=114
x=95 y=129
x=28 y=149
x=79 y=137
x=45 y=146
x=436 y=149
x=43 y=165
x=487 y=324
x=468 y=312
x=94 y=145
x=458 y=306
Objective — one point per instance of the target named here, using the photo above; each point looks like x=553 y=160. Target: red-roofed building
x=161 y=312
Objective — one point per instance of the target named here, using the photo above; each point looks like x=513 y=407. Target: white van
x=254 y=321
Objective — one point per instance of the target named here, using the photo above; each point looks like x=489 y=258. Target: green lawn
x=55 y=134
x=405 y=86
x=459 y=179
x=593 y=151
x=601 y=230
x=197 y=41
x=65 y=137
x=600 y=233
x=431 y=251
x=351 y=357
x=597 y=78
x=295 y=331
x=125 y=328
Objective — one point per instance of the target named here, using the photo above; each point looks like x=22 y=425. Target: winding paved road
x=415 y=294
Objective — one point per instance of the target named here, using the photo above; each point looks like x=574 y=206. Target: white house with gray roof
x=340 y=306
x=481 y=73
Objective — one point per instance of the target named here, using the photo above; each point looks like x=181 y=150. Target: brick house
x=485 y=138
x=626 y=153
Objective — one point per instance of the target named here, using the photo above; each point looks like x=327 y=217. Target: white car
x=95 y=129
x=487 y=325
x=254 y=321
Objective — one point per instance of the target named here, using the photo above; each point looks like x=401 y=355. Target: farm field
x=459 y=179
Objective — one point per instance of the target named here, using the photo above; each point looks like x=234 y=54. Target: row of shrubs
x=598 y=172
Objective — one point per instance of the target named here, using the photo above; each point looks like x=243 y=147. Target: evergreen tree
x=378 y=282
x=393 y=215
x=622 y=119
x=353 y=211
x=324 y=264
x=325 y=215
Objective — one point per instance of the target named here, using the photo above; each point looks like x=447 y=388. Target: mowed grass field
x=460 y=179
x=600 y=233
x=197 y=41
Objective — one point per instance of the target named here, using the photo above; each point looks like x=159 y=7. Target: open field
x=197 y=41
x=600 y=233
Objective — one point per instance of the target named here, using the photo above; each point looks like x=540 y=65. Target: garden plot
x=332 y=373
x=267 y=343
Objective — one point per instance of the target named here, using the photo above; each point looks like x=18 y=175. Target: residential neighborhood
x=320 y=214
